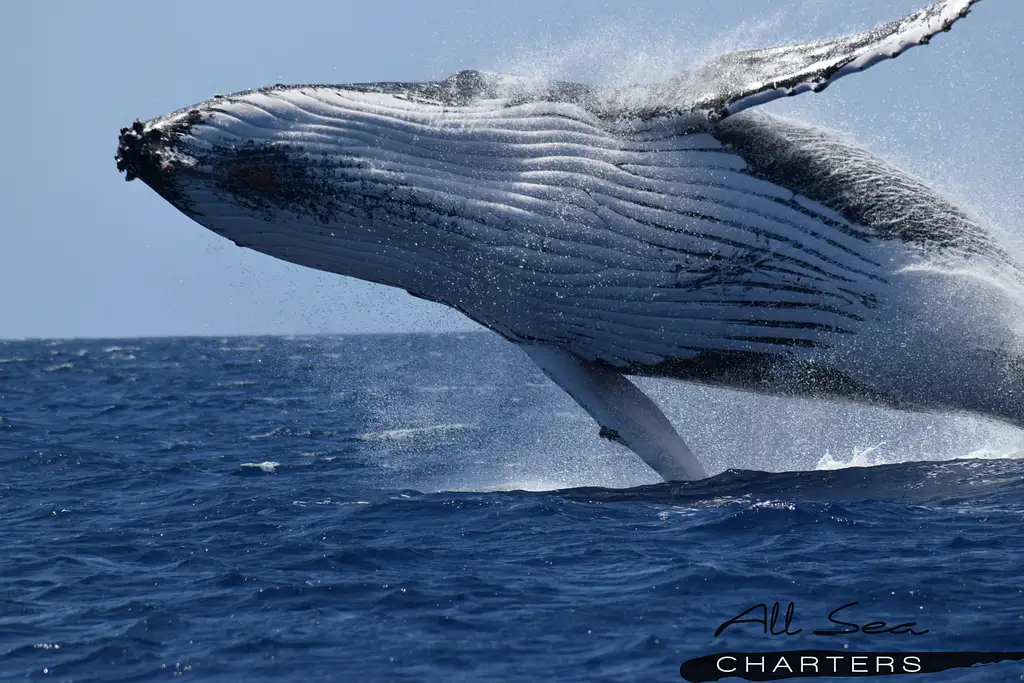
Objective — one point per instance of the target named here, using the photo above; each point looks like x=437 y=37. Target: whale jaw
x=181 y=154
x=237 y=186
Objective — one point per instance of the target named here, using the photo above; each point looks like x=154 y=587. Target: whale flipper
x=624 y=413
x=733 y=82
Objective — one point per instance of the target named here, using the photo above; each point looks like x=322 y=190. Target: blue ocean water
x=338 y=509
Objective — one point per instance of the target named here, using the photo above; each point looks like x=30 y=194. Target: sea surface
x=431 y=508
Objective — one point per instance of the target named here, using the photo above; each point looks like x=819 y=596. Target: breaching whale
x=664 y=230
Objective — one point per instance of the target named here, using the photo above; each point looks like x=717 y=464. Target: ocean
x=431 y=508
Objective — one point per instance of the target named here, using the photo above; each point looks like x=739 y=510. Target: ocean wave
x=950 y=482
x=270 y=467
x=63 y=367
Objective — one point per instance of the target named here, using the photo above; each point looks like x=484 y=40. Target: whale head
x=398 y=184
x=235 y=168
x=329 y=177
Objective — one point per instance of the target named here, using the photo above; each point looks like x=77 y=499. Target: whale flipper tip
x=736 y=81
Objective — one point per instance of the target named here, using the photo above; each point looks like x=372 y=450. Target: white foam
x=875 y=455
x=270 y=467
x=519 y=485
x=867 y=457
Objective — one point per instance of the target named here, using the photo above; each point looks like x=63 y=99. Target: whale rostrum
x=664 y=230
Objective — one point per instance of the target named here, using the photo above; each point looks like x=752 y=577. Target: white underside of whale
x=565 y=232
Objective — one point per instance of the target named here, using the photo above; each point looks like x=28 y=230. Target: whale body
x=668 y=230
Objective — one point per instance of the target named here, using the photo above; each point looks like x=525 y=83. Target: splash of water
x=873 y=456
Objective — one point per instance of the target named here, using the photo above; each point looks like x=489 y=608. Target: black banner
x=776 y=666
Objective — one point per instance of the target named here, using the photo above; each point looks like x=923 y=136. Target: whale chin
x=238 y=187
x=153 y=152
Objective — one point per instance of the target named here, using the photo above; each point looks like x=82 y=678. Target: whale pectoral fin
x=733 y=82
x=624 y=413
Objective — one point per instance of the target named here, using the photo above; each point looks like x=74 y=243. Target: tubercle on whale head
x=133 y=158
x=150 y=152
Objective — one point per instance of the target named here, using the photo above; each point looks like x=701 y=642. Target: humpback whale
x=661 y=230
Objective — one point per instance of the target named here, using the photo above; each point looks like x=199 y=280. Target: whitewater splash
x=876 y=455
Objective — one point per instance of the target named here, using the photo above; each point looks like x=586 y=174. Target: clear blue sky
x=85 y=254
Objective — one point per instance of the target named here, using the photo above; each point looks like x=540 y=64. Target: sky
x=83 y=254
